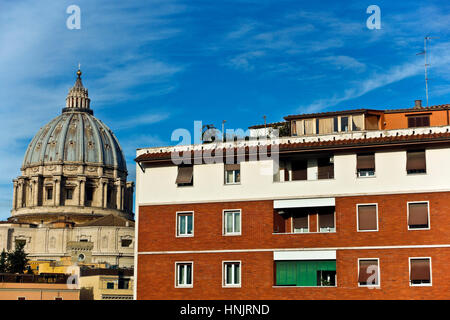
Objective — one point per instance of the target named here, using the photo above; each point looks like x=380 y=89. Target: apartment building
x=346 y=205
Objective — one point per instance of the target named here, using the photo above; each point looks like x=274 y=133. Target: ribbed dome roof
x=75 y=136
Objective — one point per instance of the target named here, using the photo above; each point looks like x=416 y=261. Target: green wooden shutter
x=286 y=273
x=301 y=273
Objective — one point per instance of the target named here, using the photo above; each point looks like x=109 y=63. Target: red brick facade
x=157 y=233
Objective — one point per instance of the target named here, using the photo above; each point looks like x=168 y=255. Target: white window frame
x=177 y=285
x=379 y=274
x=407 y=215
x=234 y=176
x=224 y=284
x=317 y=223
x=293 y=229
x=420 y=284
x=357 y=216
x=366 y=176
x=224 y=222
x=176 y=224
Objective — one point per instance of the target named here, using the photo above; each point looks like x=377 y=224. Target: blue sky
x=154 y=66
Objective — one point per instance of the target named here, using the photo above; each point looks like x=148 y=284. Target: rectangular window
x=184 y=275
x=232 y=173
x=418 y=215
x=89 y=193
x=344 y=124
x=185 y=176
x=69 y=193
x=365 y=165
x=21 y=298
x=367 y=217
x=420 y=271
x=300 y=223
x=110 y=285
x=317 y=126
x=232 y=222
x=185 y=224
x=58 y=298
x=418 y=121
x=109 y=195
x=124 y=284
x=305 y=273
x=369 y=272
x=335 y=124
x=49 y=193
x=326 y=221
x=232 y=274
x=415 y=162
x=325 y=168
x=299 y=170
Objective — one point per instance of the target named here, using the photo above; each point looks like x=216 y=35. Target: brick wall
x=157 y=233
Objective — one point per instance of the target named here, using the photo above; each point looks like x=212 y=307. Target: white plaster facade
x=257 y=181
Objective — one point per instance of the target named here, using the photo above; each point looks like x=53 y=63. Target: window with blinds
x=367 y=217
x=365 y=165
x=299 y=170
x=300 y=223
x=368 y=272
x=418 y=215
x=418 y=121
x=185 y=176
x=326 y=221
x=420 y=271
x=325 y=168
x=233 y=173
x=416 y=162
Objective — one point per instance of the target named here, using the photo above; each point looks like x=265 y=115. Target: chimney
x=417 y=104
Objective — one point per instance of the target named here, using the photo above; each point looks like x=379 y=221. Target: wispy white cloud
x=378 y=80
x=344 y=63
x=116 y=46
x=245 y=60
x=139 y=120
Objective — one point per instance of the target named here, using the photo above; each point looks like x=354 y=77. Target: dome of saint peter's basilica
x=74 y=169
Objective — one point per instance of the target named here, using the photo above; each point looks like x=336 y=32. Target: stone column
x=130 y=191
x=119 y=194
x=14 y=204
x=57 y=199
x=104 y=193
x=20 y=194
x=35 y=191
x=82 y=191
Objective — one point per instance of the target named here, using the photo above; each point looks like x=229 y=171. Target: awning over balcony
x=304 y=203
x=304 y=255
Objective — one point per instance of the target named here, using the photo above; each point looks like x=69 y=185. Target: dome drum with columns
x=73 y=168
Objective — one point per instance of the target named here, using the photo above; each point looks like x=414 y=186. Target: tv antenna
x=424 y=52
